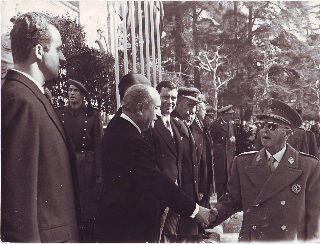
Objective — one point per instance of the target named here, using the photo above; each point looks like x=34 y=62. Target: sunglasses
x=271 y=125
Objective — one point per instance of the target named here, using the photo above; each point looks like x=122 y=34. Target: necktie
x=168 y=126
x=272 y=163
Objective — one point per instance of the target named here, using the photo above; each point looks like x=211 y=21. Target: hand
x=206 y=216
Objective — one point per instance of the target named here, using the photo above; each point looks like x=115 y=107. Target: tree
x=95 y=69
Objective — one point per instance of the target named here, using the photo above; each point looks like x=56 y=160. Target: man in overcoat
x=83 y=125
x=133 y=185
x=277 y=188
x=38 y=181
x=224 y=147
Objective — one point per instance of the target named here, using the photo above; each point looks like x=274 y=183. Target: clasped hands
x=206 y=216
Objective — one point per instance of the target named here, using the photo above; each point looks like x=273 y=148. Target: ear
x=38 y=51
x=139 y=109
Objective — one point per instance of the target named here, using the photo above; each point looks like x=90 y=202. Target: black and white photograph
x=160 y=121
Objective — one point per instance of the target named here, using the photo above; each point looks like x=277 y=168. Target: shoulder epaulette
x=247 y=153
x=311 y=156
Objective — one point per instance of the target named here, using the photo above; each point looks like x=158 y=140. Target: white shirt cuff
x=195 y=212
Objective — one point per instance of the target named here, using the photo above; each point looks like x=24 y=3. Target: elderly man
x=133 y=186
x=38 y=195
x=277 y=188
x=84 y=127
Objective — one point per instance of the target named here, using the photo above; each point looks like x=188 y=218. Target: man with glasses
x=277 y=188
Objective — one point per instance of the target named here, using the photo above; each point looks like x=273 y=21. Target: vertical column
x=116 y=58
x=140 y=38
x=125 y=45
x=153 y=50
x=133 y=37
x=158 y=39
x=146 y=27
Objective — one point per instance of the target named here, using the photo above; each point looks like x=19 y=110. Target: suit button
x=283 y=227
x=195 y=181
x=254 y=227
x=283 y=203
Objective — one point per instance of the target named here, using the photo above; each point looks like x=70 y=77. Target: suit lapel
x=165 y=134
x=285 y=174
x=41 y=97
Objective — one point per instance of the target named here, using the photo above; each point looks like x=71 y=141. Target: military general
x=277 y=188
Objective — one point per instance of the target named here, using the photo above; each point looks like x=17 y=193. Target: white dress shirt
x=278 y=156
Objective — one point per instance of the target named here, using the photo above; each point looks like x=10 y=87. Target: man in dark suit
x=277 y=188
x=224 y=147
x=133 y=185
x=38 y=195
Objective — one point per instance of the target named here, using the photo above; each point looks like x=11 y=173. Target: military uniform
x=84 y=128
x=283 y=205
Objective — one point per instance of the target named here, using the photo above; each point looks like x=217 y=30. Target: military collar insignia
x=258 y=158
x=296 y=188
x=291 y=160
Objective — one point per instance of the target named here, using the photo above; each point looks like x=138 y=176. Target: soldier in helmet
x=84 y=128
x=277 y=188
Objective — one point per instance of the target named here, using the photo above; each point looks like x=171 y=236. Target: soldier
x=84 y=128
x=224 y=146
x=277 y=188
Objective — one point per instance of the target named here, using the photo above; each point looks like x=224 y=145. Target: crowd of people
x=150 y=175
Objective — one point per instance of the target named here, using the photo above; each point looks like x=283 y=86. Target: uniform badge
x=258 y=158
x=291 y=160
x=296 y=188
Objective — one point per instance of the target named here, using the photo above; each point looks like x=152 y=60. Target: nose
x=62 y=59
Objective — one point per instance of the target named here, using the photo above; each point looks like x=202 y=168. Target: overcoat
x=284 y=205
x=299 y=140
x=133 y=188
x=223 y=149
x=189 y=175
x=312 y=144
x=38 y=192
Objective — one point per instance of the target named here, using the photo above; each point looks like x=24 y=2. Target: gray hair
x=137 y=94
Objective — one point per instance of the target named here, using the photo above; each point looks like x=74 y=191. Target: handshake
x=206 y=216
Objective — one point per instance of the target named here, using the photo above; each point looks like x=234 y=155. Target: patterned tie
x=272 y=163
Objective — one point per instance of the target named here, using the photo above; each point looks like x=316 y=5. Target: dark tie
x=168 y=126
x=271 y=163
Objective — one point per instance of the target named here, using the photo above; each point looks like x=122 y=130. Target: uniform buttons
x=283 y=227
x=194 y=165
x=84 y=137
x=84 y=129
x=195 y=181
x=283 y=203
x=83 y=144
x=257 y=205
x=85 y=121
x=62 y=121
x=82 y=151
x=254 y=227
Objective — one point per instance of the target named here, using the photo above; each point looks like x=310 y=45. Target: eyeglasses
x=271 y=125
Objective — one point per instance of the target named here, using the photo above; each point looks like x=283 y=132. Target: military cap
x=191 y=93
x=79 y=85
x=209 y=110
x=275 y=109
x=226 y=110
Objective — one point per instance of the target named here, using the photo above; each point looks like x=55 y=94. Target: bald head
x=129 y=80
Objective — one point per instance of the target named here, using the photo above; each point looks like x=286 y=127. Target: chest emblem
x=291 y=160
x=296 y=188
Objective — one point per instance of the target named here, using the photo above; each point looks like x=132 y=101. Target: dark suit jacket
x=298 y=140
x=281 y=206
x=38 y=200
x=133 y=188
x=168 y=149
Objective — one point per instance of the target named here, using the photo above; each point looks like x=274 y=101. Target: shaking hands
x=206 y=216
